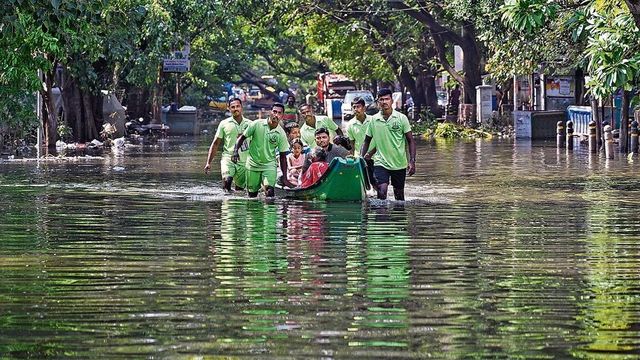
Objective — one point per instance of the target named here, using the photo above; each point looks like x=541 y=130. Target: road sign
x=176 y=65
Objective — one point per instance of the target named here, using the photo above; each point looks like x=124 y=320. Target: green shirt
x=308 y=133
x=228 y=131
x=263 y=145
x=356 y=133
x=391 y=142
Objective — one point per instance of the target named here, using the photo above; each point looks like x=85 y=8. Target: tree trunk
x=430 y=93
x=50 y=121
x=89 y=117
x=595 y=116
x=72 y=105
x=634 y=8
x=624 y=122
x=471 y=66
x=156 y=101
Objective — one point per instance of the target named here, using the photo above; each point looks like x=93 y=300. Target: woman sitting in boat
x=317 y=168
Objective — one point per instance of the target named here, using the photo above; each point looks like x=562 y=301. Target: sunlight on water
x=500 y=251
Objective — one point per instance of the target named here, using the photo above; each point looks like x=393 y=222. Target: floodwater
x=503 y=250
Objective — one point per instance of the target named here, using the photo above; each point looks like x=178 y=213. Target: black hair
x=342 y=141
x=319 y=153
x=296 y=141
x=278 y=105
x=290 y=126
x=384 y=92
x=234 y=99
x=321 y=130
x=358 y=100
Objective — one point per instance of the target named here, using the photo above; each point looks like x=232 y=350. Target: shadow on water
x=501 y=251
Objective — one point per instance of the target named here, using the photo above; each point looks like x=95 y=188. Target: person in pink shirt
x=317 y=168
x=295 y=161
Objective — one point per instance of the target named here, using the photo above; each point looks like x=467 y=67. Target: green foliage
x=598 y=35
x=528 y=16
x=447 y=130
x=613 y=49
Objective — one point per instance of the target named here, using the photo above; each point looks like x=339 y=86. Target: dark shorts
x=383 y=175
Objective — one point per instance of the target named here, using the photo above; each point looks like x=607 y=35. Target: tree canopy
x=118 y=45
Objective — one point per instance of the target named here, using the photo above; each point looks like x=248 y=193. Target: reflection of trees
x=609 y=313
x=383 y=322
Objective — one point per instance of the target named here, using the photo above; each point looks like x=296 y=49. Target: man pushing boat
x=266 y=137
x=392 y=134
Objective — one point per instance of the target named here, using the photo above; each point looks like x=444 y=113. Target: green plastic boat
x=345 y=180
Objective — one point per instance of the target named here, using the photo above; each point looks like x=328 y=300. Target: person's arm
x=235 y=157
x=365 y=148
x=213 y=150
x=331 y=125
x=307 y=163
x=353 y=150
x=283 y=167
x=412 y=153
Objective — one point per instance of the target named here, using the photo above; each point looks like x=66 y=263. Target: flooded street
x=502 y=250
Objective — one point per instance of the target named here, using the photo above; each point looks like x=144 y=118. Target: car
x=369 y=101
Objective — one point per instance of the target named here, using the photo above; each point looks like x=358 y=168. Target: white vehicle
x=347 y=111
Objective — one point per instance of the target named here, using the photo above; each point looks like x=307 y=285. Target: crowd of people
x=252 y=150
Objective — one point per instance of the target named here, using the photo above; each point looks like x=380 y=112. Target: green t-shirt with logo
x=228 y=131
x=308 y=133
x=391 y=142
x=356 y=132
x=264 y=143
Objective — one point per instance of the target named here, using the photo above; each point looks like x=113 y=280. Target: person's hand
x=288 y=183
x=367 y=156
x=235 y=157
x=207 y=168
x=412 y=168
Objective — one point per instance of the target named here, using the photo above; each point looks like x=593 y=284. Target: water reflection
x=503 y=251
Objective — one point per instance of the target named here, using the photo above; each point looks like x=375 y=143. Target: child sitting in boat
x=293 y=132
x=295 y=161
x=317 y=168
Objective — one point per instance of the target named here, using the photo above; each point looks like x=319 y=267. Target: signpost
x=178 y=62
x=176 y=65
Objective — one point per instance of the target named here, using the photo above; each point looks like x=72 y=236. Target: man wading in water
x=391 y=132
x=266 y=137
x=227 y=134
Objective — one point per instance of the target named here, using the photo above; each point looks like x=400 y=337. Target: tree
x=611 y=42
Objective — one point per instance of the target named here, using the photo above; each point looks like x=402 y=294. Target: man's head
x=277 y=110
x=322 y=137
x=359 y=107
x=291 y=101
x=306 y=111
x=385 y=99
x=235 y=106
